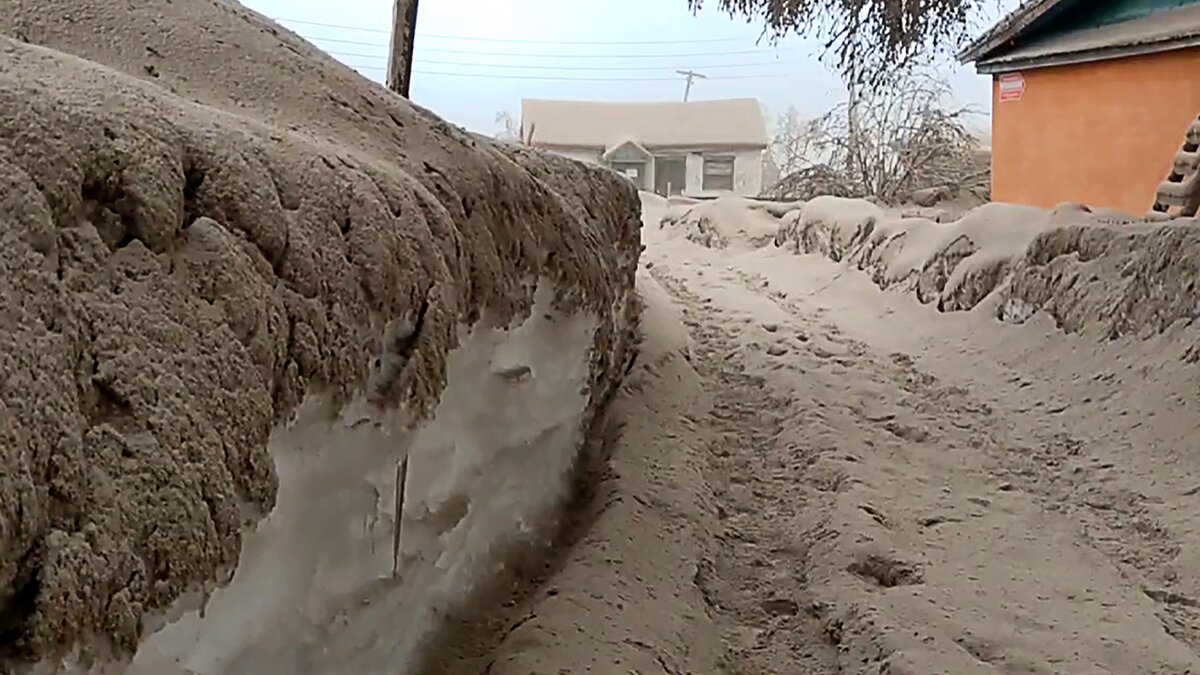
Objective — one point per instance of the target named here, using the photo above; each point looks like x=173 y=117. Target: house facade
x=697 y=149
x=1091 y=98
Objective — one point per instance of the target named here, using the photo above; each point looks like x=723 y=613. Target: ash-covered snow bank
x=726 y=221
x=1084 y=269
x=489 y=474
x=206 y=221
x=625 y=598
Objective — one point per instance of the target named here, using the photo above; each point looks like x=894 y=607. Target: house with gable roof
x=697 y=148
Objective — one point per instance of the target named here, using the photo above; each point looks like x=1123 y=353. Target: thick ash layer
x=725 y=222
x=1078 y=267
x=204 y=219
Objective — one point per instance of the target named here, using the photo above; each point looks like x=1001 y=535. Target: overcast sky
x=475 y=58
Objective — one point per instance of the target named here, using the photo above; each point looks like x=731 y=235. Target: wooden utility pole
x=404 y=34
x=690 y=75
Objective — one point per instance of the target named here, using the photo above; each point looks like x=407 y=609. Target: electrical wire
x=589 y=79
x=586 y=68
x=471 y=52
x=467 y=38
x=555 y=57
x=691 y=55
x=331 y=25
x=526 y=66
x=315 y=38
x=552 y=78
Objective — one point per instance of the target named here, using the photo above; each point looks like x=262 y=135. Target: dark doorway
x=670 y=175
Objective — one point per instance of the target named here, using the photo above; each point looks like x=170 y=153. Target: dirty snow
x=908 y=488
x=207 y=221
x=854 y=439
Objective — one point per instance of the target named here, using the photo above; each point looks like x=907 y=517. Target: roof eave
x=1005 y=30
x=995 y=67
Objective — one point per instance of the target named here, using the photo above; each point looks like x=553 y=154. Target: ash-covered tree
x=888 y=144
x=793 y=143
x=865 y=39
x=507 y=127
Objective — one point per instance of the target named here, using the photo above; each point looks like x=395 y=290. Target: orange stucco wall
x=1100 y=133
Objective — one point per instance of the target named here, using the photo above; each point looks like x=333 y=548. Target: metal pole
x=404 y=36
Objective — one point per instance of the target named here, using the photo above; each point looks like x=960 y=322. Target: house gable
x=1058 y=32
x=628 y=151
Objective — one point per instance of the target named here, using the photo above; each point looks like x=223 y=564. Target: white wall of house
x=748 y=173
x=644 y=178
x=695 y=174
x=747 y=169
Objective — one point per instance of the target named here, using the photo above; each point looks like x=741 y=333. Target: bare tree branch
x=795 y=142
x=508 y=129
x=866 y=39
x=886 y=144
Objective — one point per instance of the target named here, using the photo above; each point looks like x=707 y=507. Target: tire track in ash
x=1060 y=470
x=756 y=588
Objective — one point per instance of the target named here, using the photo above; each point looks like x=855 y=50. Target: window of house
x=718 y=173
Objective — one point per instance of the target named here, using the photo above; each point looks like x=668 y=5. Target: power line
x=526 y=66
x=583 y=42
x=472 y=52
x=334 y=25
x=356 y=56
x=551 y=78
x=690 y=55
x=344 y=42
x=468 y=38
x=590 y=79
x=510 y=76
x=588 y=68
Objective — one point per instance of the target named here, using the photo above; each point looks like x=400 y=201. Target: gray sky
x=475 y=58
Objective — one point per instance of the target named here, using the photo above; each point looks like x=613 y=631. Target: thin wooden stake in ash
x=401 y=479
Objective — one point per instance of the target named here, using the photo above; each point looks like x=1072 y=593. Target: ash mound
x=726 y=221
x=204 y=221
x=1086 y=268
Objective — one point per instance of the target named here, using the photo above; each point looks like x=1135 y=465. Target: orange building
x=1090 y=98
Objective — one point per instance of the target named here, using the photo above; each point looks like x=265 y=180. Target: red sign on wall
x=1012 y=87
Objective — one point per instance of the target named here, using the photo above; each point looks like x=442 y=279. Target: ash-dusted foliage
x=867 y=38
x=887 y=144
